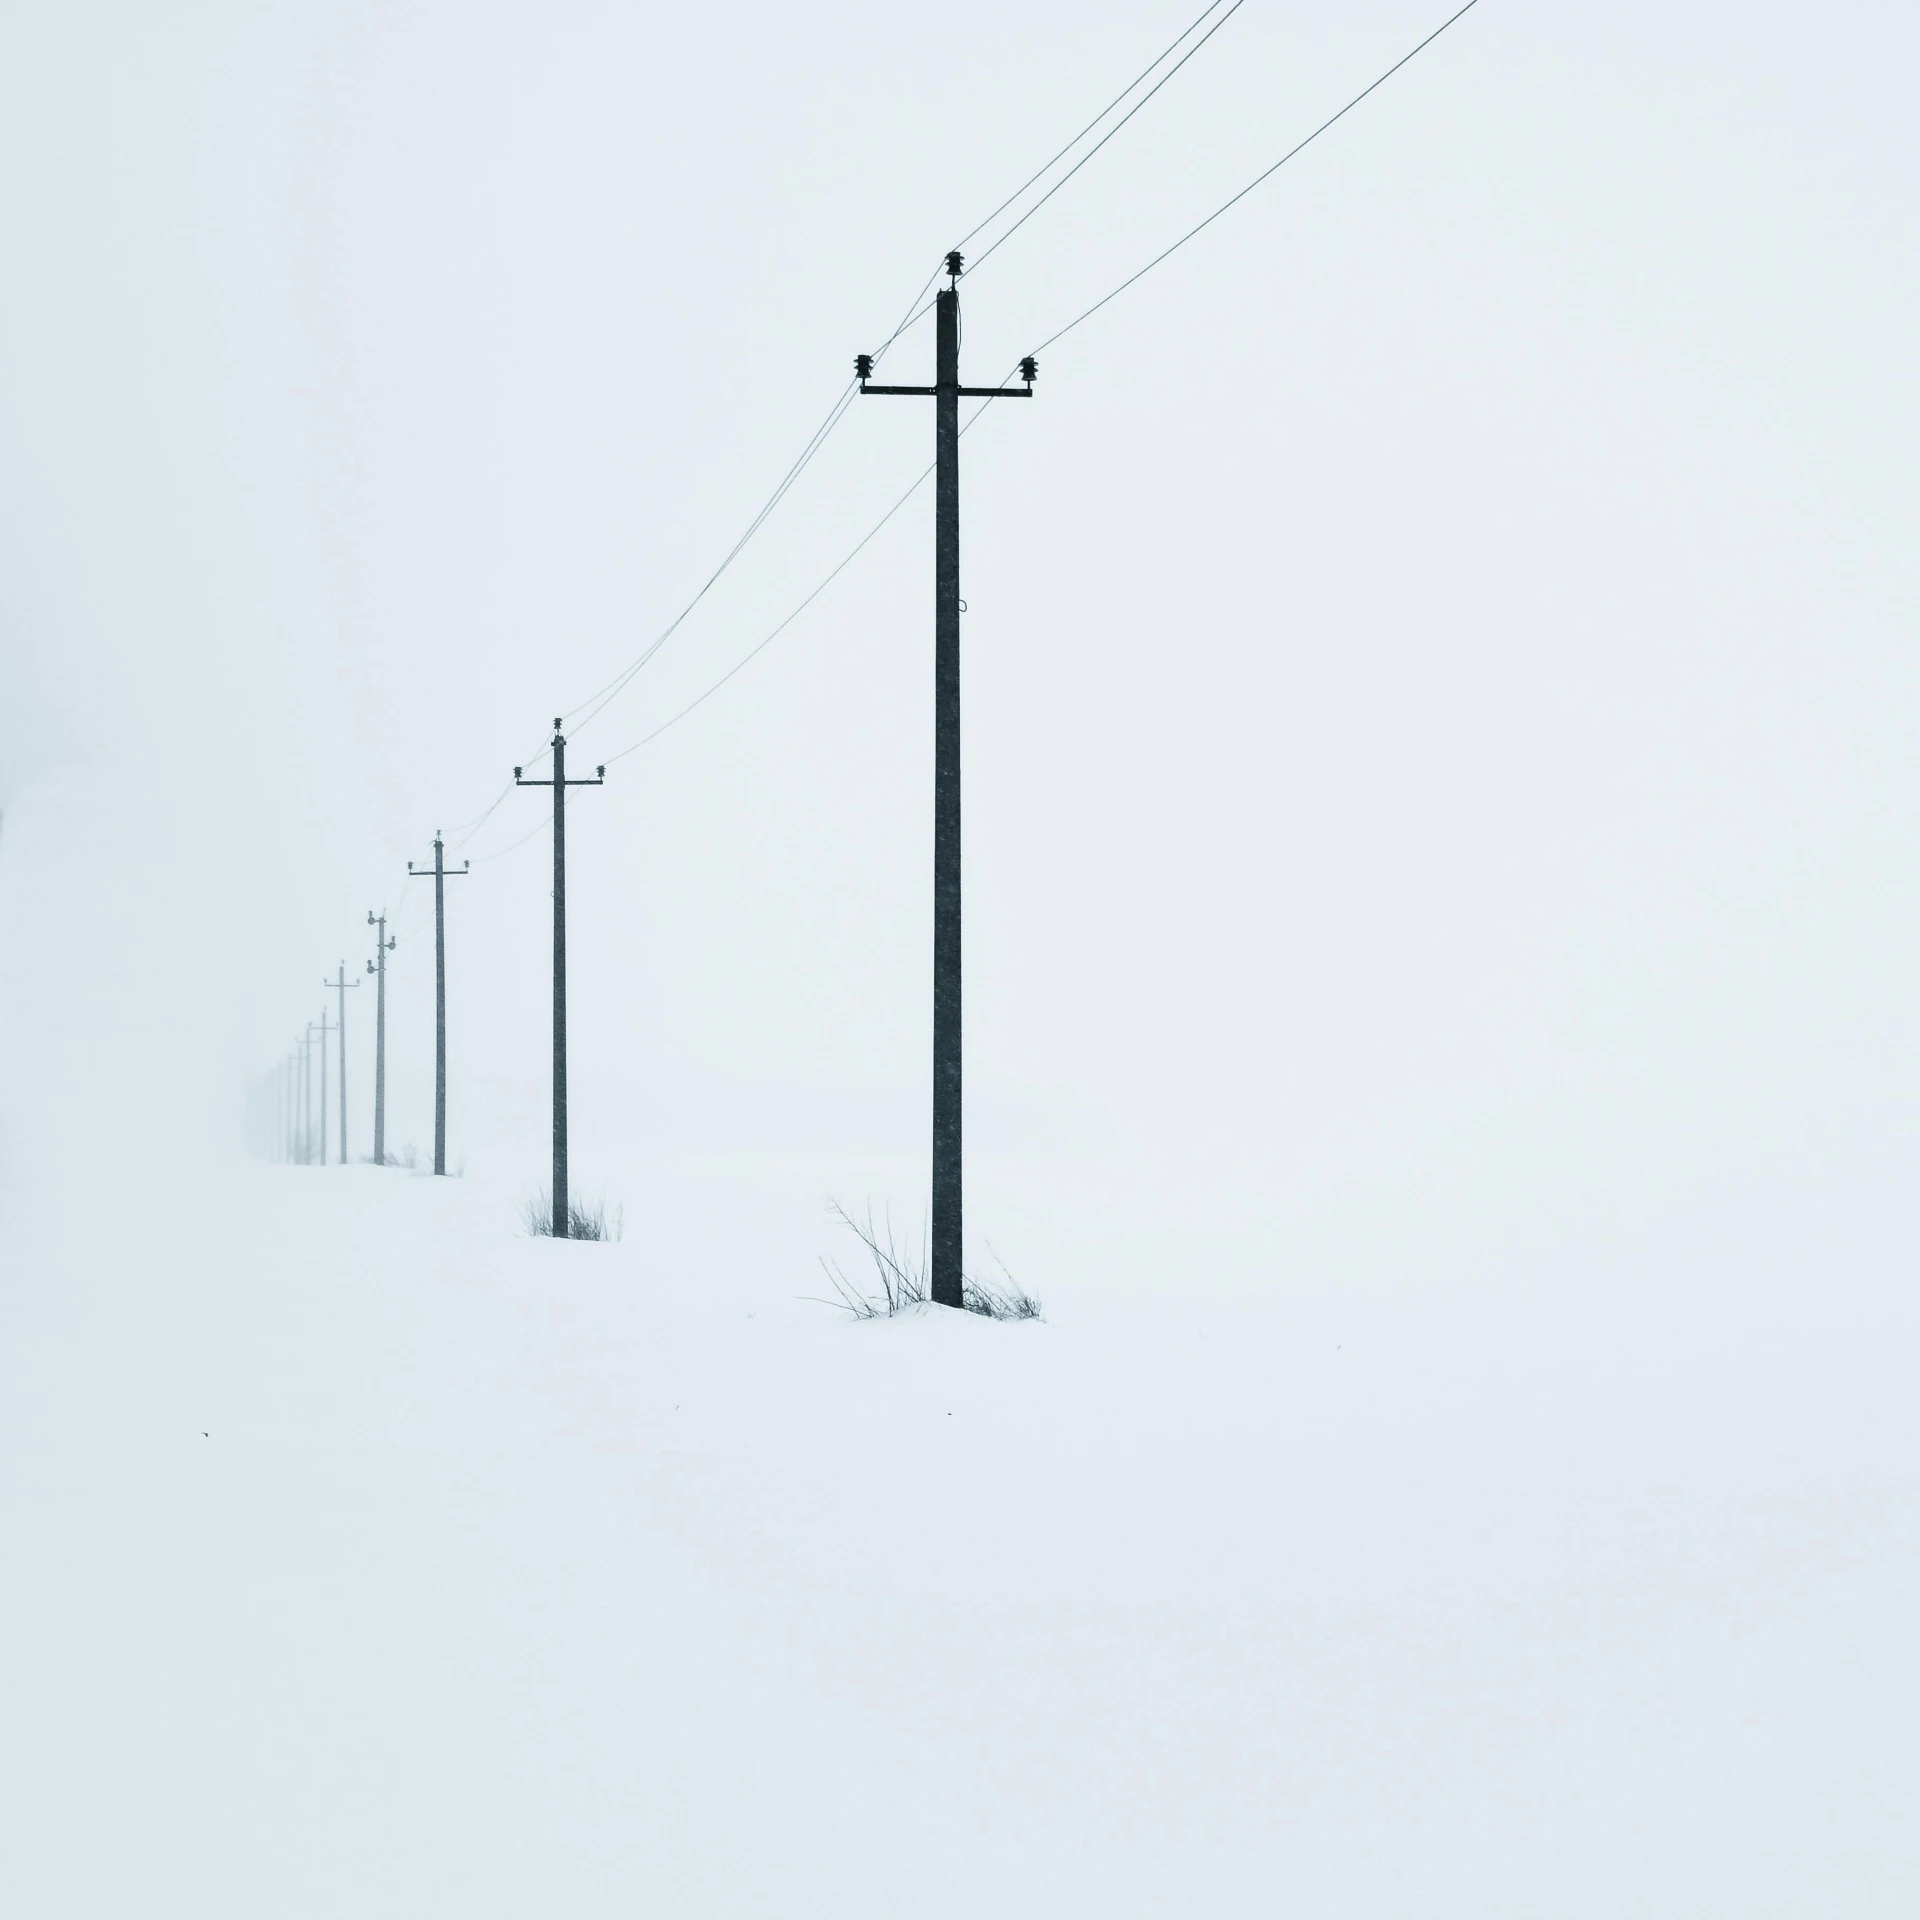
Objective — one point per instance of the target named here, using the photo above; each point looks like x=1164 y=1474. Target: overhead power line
x=916 y=309
x=1179 y=39
x=1106 y=299
x=920 y=306
x=589 y=709
x=846 y=560
x=592 y=707
x=595 y=702
x=988 y=254
x=1259 y=179
x=513 y=846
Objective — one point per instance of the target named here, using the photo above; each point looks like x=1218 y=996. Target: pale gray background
x=1442 y=846
x=1439 y=700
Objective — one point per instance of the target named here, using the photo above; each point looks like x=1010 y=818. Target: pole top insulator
x=954 y=263
x=556 y=722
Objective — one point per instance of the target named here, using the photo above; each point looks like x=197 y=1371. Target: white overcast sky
x=1440 y=671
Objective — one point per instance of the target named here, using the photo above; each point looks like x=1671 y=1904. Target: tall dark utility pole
x=948 y=1237
x=377 y=966
x=442 y=873
x=340 y=1027
x=560 y=783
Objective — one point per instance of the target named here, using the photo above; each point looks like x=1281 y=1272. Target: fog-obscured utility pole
x=340 y=1027
x=306 y=1093
x=948 y=1238
x=560 y=783
x=442 y=873
x=322 y=1028
x=377 y=966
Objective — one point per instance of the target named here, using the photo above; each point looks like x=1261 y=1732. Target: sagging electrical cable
x=988 y=253
x=1259 y=179
x=588 y=710
x=1059 y=334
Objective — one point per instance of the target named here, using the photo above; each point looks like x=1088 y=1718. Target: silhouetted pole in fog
x=377 y=966
x=340 y=1027
x=306 y=1097
x=560 y=783
x=948 y=1238
x=324 y=1028
x=442 y=873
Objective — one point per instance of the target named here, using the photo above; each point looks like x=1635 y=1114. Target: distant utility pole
x=377 y=966
x=560 y=783
x=323 y=1028
x=947 y=393
x=340 y=1026
x=442 y=873
x=306 y=1093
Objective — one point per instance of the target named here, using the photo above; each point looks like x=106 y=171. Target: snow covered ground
x=365 y=1557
